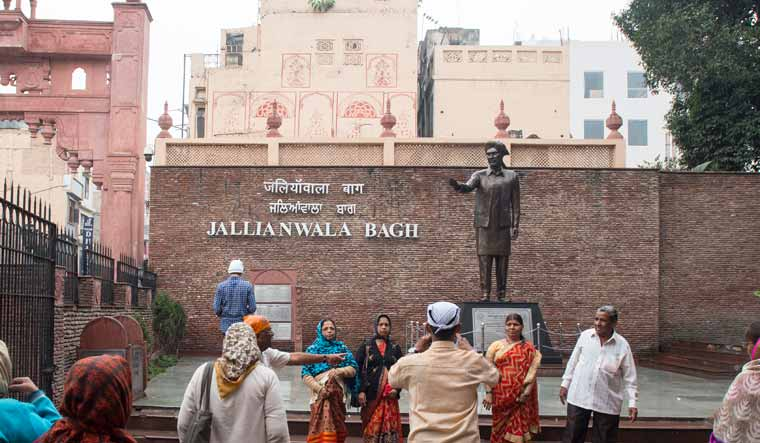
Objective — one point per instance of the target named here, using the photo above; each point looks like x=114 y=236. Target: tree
x=706 y=53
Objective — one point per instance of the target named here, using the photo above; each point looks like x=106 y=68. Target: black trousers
x=605 y=428
x=486 y=265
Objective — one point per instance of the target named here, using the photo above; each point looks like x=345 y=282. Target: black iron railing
x=67 y=255
x=27 y=284
x=128 y=272
x=101 y=266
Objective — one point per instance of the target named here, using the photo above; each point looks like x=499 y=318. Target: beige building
x=330 y=73
x=462 y=84
x=36 y=167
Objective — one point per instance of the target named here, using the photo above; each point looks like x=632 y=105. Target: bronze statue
x=497 y=216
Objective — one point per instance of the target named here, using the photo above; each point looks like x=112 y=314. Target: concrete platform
x=662 y=394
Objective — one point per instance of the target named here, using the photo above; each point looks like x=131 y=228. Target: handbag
x=199 y=430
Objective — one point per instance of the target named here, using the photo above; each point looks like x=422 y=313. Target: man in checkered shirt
x=234 y=297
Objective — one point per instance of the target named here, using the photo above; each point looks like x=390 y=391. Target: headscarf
x=321 y=345
x=239 y=358
x=442 y=316
x=6 y=368
x=97 y=401
x=259 y=323
x=377 y=323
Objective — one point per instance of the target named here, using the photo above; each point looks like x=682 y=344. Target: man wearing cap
x=234 y=297
x=276 y=359
x=497 y=216
x=443 y=382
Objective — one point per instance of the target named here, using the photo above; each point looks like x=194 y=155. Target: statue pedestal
x=484 y=324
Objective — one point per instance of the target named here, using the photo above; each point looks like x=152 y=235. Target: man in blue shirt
x=234 y=297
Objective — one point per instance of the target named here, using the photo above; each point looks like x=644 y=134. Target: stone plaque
x=275 y=312
x=282 y=331
x=493 y=318
x=272 y=293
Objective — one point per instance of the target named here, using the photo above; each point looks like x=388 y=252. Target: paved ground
x=661 y=394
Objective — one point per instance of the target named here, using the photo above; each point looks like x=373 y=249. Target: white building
x=601 y=72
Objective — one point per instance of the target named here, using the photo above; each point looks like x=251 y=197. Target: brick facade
x=709 y=255
x=587 y=237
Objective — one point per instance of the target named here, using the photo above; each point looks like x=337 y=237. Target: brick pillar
x=87 y=292
x=120 y=294
x=60 y=275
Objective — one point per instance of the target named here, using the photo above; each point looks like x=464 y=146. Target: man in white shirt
x=600 y=370
x=276 y=359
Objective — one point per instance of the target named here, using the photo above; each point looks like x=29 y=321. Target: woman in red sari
x=515 y=398
x=381 y=419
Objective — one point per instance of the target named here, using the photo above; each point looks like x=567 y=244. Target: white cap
x=443 y=316
x=236 y=267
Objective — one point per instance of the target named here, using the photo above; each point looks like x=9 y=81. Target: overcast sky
x=188 y=26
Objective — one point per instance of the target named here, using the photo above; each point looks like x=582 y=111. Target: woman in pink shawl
x=738 y=420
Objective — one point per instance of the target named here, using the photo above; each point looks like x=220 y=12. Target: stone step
x=162 y=428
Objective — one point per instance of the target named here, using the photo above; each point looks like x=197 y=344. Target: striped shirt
x=233 y=300
x=599 y=375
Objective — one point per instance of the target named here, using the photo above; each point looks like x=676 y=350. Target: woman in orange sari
x=515 y=398
x=381 y=418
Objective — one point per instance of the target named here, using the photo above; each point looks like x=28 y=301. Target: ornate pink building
x=82 y=87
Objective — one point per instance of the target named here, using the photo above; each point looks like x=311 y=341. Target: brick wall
x=71 y=320
x=588 y=237
x=710 y=260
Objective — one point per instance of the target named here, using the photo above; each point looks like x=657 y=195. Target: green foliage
x=160 y=364
x=147 y=333
x=669 y=164
x=705 y=53
x=757 y=293
x=169 y=323
x=321 y=5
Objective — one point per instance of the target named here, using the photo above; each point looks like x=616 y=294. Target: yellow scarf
x=227 y=387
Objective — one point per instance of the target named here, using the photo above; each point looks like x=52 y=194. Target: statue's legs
x=486 y=263
x=502 y=264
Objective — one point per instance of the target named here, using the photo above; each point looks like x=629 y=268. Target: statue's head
x=495 y=152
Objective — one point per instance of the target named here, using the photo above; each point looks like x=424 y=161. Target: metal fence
x=101 y=266
x=67 y=255
x=128 y=272
x=27 y=284
x=148 y=279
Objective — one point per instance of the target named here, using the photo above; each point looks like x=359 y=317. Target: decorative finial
x=165 y=122
x=274 y=121
x=613 y=123
x=388 y=121
x=501 y=122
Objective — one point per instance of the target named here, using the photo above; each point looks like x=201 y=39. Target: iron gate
x=27 y=284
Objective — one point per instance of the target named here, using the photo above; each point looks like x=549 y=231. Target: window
x=593 y=84
x=79 y=80
x=200 y=123
x=593 y=129
x=637 y=85
x=637 y=133
x=86 y=187
x=234 y=56
x=73 y=212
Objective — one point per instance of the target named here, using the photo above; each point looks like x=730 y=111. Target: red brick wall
x=709 y=254
x=587 y=238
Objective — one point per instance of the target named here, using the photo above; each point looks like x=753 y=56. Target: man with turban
x=276 y=359
x=443 y=381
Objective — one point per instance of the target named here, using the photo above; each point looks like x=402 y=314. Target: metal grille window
x=128 y=272
x=234 y=44
x=200 y=123
x=593 y=129
x=593 y=84
x=637 y=85
x=637 y=133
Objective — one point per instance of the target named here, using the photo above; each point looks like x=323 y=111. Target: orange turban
x=257 y=322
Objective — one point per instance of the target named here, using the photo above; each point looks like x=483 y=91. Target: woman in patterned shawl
x=381 y=419
x=515 y=398
x=97 y=401
x=330 y=386
x=738 y=420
